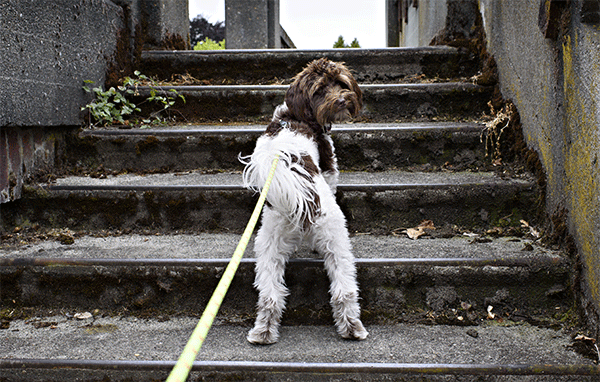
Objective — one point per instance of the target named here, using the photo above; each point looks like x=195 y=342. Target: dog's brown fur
x=323 y=93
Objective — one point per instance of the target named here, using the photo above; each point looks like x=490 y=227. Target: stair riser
x=378 y=150
x=195 y=211
x=265 y=67
x=388 y=293
x=380 y=103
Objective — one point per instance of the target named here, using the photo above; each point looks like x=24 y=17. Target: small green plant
x=208 y=44
x=340 y=43
x=112 y=106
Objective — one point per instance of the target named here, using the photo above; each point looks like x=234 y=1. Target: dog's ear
x=348 y=80
x=298 y=96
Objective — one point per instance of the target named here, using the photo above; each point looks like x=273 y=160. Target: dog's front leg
x=274 y=242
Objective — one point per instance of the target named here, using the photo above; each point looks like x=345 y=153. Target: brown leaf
x=414 y=233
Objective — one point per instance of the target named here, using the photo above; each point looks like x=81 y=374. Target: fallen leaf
x=418 y=231
x=414 y=233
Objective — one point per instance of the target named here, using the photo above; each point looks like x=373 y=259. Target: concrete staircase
x=140 y=226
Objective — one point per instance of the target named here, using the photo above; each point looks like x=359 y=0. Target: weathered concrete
x=372 y=202
x=165 y=23
x=533 y=288
x=358 y=146
x=252 y=24
x=268 y=66
x=554 y=83
x=123 y=338
x=452 y=101
x=557 y=94
x=48 y=49
x=26 y=154
x=422 y=20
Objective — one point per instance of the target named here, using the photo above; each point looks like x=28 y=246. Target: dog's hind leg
x=274 y=242
x=330 y=239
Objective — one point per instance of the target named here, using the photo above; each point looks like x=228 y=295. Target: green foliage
x=112 y=106
x=208 y=44
x=340 y=43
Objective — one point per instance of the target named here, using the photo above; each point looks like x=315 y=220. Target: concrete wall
x=555 y=84
x=254 y=24
x=422 y=20
x=551 y=71
x=47 y=50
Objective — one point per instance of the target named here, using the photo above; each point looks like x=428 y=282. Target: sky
x=317 y=24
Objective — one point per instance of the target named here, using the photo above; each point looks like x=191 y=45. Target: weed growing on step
x=113 y=106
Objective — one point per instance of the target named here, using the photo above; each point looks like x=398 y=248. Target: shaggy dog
x=301 y=202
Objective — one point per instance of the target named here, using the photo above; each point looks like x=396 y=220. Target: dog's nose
x=340 y=102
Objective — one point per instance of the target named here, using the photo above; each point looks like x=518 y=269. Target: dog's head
x=324 y=92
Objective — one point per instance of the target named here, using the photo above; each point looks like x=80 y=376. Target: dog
x=300 y=204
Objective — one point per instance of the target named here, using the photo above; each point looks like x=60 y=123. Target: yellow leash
x=186 y=360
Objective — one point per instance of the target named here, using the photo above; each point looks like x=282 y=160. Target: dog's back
x=293 y=190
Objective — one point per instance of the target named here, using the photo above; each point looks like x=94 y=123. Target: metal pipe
x=301 y=367
x=235 y=187
x=361 y=262
x=254 y=130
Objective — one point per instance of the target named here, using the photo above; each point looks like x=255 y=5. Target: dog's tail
x=293 y=191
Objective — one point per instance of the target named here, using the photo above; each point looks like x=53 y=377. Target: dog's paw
x=354 y=330
x=260 y=336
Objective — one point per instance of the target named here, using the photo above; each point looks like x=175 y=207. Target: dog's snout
x=340 y=102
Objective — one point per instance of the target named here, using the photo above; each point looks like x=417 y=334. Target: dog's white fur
x=291 y=193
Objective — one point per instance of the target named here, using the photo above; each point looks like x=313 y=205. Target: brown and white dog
x=301 y=200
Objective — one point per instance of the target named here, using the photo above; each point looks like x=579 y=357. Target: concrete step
x=192 y=201
x=382 y=102
x=270 y=66
x=216 y=147
x=401 y=280
x=133 y=349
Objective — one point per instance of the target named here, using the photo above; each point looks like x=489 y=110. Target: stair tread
x=347 y=180
x=222 y=246
x=129 y=338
